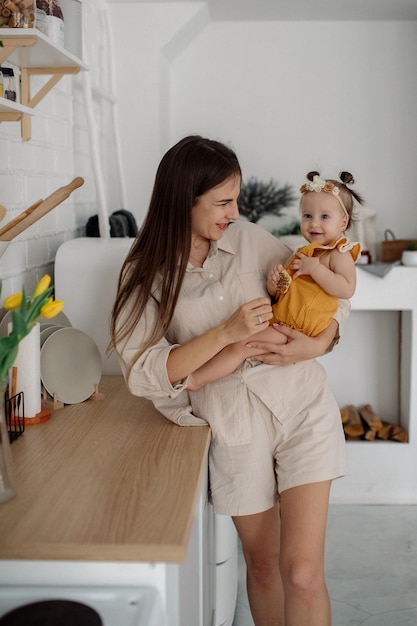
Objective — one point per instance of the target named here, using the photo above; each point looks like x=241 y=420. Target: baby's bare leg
x=229 y=359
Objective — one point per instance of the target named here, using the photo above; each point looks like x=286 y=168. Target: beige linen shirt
x=234 y=272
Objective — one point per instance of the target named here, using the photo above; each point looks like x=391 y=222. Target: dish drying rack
x=15 y=414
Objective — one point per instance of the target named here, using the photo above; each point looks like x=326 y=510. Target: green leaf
x=7 y=343
x=293 y=228
x=9 y=347
x=37 y=304
x=24 y=304
x=19 y=324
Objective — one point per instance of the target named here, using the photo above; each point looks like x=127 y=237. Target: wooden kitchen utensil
x=38 y=210
x=3 y=212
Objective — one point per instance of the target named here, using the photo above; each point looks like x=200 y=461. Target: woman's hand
x=299 y=347
x=248 y=320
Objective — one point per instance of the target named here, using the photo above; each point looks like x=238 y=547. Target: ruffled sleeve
x=343 y=245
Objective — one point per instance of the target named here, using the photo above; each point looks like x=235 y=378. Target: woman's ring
x=260 y=319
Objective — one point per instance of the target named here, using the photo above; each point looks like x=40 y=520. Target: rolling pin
x=38 y=210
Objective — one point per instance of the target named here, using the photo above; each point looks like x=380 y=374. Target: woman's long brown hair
x=189 y=169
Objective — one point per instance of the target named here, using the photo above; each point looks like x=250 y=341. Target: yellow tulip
x=13 y=302
x=42 y=285
x=52 y=308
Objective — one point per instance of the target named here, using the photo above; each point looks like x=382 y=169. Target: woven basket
x=392 y=249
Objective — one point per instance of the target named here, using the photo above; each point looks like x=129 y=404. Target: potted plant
x=258 y=198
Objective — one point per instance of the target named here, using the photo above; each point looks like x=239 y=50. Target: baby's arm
x=338 y=279
x=229 y=359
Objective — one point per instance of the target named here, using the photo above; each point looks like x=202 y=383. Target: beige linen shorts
x=307 y=448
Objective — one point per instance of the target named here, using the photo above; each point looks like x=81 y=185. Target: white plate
x=47 y=331
x=59 y=320
x=45 y=326
x=70 y=365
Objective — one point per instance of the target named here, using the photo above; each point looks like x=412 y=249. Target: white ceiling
x=294 y=10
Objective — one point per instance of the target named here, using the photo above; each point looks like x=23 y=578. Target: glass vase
x=7 y=490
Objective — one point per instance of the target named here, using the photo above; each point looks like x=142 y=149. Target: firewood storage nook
x=375 y=365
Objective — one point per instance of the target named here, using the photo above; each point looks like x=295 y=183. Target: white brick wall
x=58 y=151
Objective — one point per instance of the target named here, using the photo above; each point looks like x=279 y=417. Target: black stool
x=52 y=613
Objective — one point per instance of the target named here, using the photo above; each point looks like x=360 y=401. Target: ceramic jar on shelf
x=17 y=13
x=50 y=21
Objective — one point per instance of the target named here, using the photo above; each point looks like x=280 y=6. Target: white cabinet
x=376 y=363
x=201 y=591
x=176 y=595
x=190 y=587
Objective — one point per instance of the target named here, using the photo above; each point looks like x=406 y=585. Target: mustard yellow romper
x=306 y=306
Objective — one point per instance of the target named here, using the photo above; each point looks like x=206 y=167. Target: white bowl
x=409 y=257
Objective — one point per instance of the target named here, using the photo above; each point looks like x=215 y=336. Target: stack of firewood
x=362 y=423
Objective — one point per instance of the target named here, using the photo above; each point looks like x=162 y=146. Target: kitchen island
x=111 y=480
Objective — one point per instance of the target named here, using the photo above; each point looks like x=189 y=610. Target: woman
x=194 y=282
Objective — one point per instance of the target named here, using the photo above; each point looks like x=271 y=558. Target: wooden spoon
x=3 y=212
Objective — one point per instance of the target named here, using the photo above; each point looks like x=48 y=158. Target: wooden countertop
x=104 y=480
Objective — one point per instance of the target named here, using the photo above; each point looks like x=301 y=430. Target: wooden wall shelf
x=35 y=54
x=12 y=111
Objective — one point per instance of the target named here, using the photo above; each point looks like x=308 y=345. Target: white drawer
x=225 y=537
x=226 y=591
